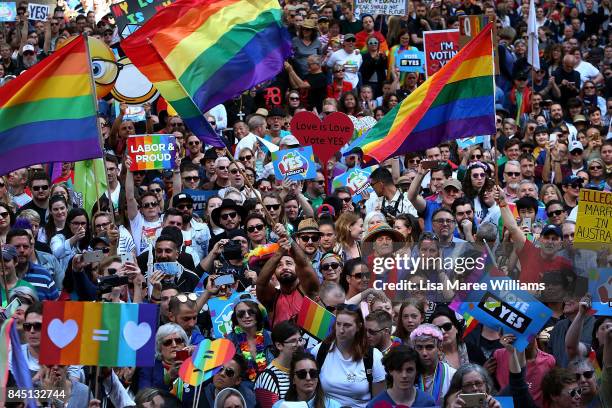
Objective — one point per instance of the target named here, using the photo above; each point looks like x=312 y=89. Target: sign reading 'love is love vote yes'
x=326 y=137
x=98 y=334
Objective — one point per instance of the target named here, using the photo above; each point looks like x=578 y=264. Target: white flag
x=533 y=53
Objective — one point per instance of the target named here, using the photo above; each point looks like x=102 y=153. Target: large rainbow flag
x=49 y=112
x=200 y=53
x=456 y=102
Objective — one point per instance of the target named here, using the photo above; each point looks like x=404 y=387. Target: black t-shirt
x=42 y=212
x=317 y=91
x=573 y=76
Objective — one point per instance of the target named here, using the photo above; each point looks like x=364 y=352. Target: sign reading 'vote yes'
x=98 y=334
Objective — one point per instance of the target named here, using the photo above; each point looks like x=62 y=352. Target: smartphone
x=93 y=256
x=224 y=280
x=526 y=223
x=129 y=257
x=168 y=268
x=182 y=355
x=477 y=400
x=11 y=308
x=429 y=164
x=553 y=137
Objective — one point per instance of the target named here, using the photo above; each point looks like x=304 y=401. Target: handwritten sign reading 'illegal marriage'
x=593 y=226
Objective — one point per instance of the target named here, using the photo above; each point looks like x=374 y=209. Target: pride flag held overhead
x=200 y=53
x=456 y=102
x=50 y=108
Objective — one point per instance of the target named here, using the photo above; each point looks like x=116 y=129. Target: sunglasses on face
x=254 y=228
x=155 y=190
x=191 y=178
x=2 y=185
x=29 y=326
x=185 y=206
x=150 y=204
x=39 y=188
x=246 y=158
x=479 y=175
x=241 y=314
x=361 y=275
x=176 y=340
x=333 y=265
x=347 y=199
x=294 y=99
x=228 y=371
x=194 y=143
x=586 y=374
x=302 y=374
x=177 y=124
x=373 y=332
x=338 y=70
x=229 y=215
x=309 y=238
x=234 y=171
x=446 y=327
x=273 y=207
x=476 y=157
x=513 y=173
x=595 y=168
x=4 y=214
x=555 y=213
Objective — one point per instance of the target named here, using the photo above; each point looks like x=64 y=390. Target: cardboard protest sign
x=99 y=334
x=600 y=287
x=411 y=60
x=470 y=26
x=356 y=180
x=294 y=164
x=439 y=47
x=315 y=319
x=221 y=309
x=151 y=152
x=130 y=15
x=593 y=226
x=8 y=11
x=39 y=12
x=326 y=137
x=200 y=197
x=503 y=306
x=384 y=7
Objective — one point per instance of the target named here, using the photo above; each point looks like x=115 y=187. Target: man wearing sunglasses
x=587 y=381
x=40 y=186
x=308 y=238
x=182 y=310
x=230 y=376
x=222 y=175
x=196 y=234
x=228 y=216
x=378 y=326
x=571 y=186
x=315 y=191
x=561 y=390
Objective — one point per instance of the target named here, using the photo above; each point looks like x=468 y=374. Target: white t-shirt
x=587 y=71
x=351 y=63
x=345 y=380
x=144 y=232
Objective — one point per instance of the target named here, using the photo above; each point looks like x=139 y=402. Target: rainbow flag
x=98 y=334
x=206 y=361
x=456 y=102
x=152 y=152
x=315 y=319
x=200 y=53
x=49 y=113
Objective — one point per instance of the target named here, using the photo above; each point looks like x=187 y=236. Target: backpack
x=368 y=362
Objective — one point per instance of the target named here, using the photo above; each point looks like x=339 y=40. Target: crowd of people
x=274 y=242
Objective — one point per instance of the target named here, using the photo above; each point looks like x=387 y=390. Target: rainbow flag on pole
x=99 y=334
x=456 y=102
x=200 y=53
x=315 y=319
x=49 y=113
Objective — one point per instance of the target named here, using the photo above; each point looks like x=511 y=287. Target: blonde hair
x=343 y=226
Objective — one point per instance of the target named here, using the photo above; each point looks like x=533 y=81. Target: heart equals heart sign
x=63 y=333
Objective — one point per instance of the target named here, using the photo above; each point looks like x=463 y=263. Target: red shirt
x=533 y=265
x=334 y=91
x=286 y=306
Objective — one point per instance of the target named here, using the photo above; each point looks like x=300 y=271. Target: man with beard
x=195 y=234
x=512 y=177
x=308 y=237
x=556 y=120
x=295 y=274
x=40 y=186
x=228 y=216
x=315 y=191
x=378 y=325
x=535 y=262
x=463 y=211
x=28 y=57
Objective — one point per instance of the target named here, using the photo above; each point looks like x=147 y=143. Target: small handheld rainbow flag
x=98 y=334
x=315 y=319
x=151 y=152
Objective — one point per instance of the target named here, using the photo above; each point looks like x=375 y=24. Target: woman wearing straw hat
x=305 y=44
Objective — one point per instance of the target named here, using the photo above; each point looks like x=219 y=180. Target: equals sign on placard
x=100 y=335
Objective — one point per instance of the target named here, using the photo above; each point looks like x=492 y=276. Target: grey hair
x=529 y=182
x=580 y=362
x=457 y=380
x=514 y=163
x=256 y=121
x=23 y=291
x=487 y=231
x=166 y=330
x=370 y=216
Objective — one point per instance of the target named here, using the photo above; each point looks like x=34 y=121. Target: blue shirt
x=420 y=400
x=42 y=281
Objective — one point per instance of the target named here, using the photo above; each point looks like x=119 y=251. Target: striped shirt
x=271 y=384
x=41 y=279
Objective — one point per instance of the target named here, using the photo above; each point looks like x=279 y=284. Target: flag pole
x=494 y=136
x=100 y=143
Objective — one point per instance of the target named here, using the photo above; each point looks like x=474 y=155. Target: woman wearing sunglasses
x=330 y=267
x=272 y=384
x=252 y=341
x=453 y=347
x=351 y=372
x=305 y=384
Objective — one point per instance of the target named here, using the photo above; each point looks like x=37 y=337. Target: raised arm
x=572 y=337
x=517 y=235
x=413 y=191
x=132 y=204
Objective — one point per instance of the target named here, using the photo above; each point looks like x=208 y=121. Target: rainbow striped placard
x=203 y=364
x=151 y=152
x=315 y=319
x=98 y=334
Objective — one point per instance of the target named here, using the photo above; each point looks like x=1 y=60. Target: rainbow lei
x=260 y=363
